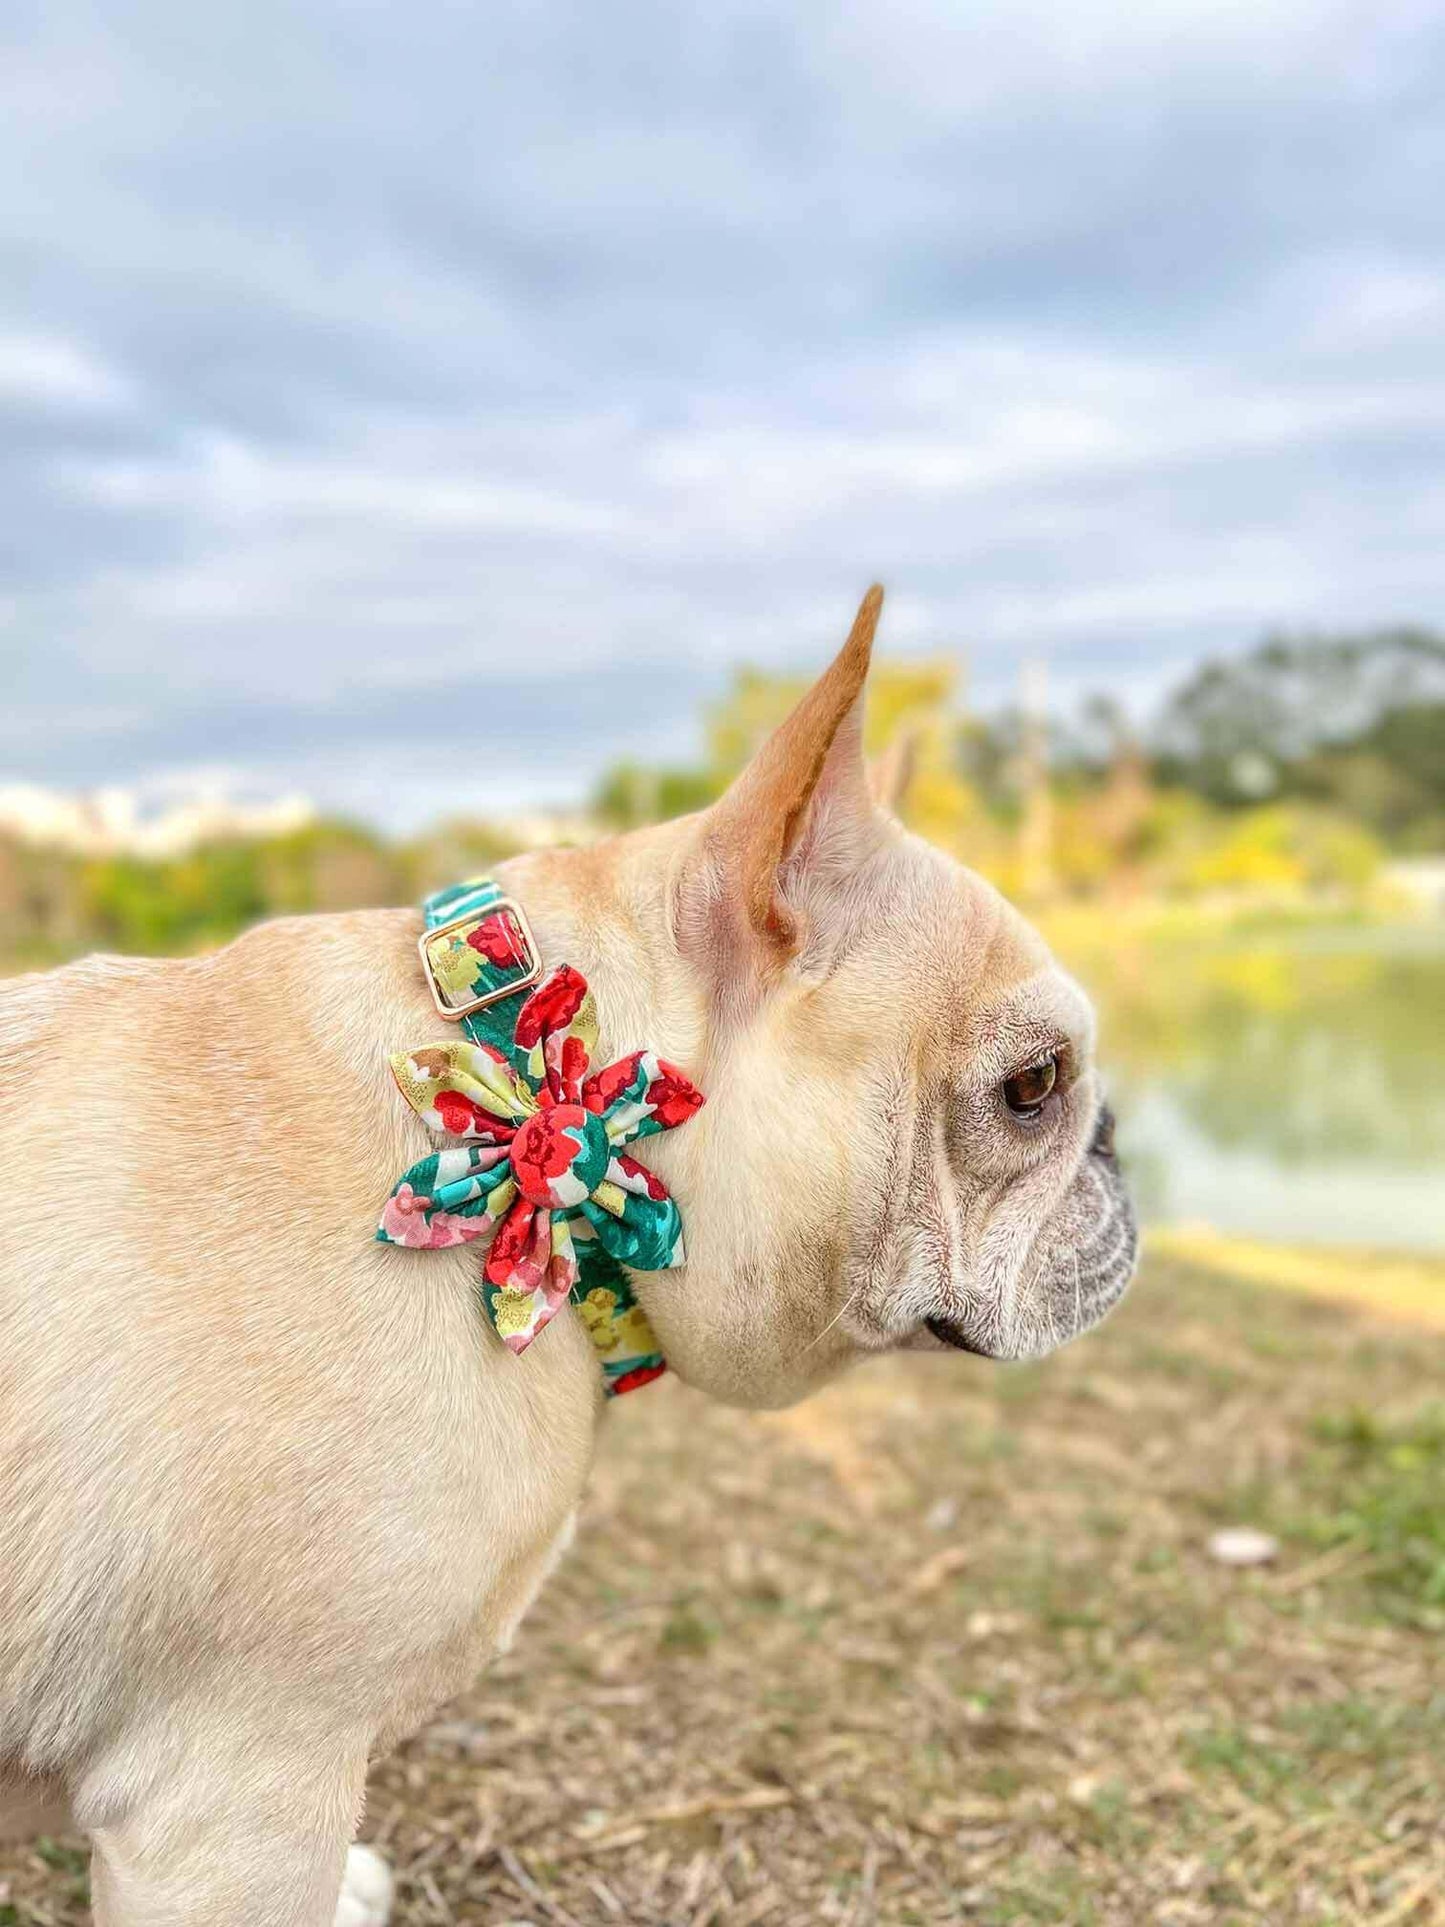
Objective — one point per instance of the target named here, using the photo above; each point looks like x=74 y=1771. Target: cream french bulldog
x=271 y=1490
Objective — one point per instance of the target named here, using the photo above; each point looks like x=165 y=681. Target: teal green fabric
x=636 y=1222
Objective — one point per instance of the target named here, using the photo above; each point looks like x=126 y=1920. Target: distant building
x=125 y=822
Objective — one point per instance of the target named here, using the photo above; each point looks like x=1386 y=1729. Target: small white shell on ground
x=1243 y=1546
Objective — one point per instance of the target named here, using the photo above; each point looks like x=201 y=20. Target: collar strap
x=541 y=1170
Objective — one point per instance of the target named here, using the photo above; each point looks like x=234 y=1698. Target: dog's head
x=905 y=1142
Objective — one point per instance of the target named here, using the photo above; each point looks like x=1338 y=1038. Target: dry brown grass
x=946 y=1646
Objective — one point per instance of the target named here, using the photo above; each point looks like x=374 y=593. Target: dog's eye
x=1026 y=1091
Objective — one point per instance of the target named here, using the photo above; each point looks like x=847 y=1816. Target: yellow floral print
x=598 y=1309
x=633 y=1332
x=511 y=1310
x=454 y=964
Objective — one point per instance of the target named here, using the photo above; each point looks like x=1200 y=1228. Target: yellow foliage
x=1287 y=848
x=899 y=693
x=913 y=697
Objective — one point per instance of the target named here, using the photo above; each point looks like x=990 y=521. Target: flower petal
x=634 y=1217
x=515 y=1258
x=464 y=1090
x=557 y=1027
x=449 y=1198
x=641 y=1095
x=530 y=1283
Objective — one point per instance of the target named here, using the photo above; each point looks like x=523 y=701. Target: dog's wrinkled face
x=1001 y=1225
x=905 y=1142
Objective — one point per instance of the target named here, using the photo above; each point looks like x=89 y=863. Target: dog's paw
x=365 y=1890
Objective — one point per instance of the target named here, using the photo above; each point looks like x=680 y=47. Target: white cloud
x=51 y=370
x=552 y=358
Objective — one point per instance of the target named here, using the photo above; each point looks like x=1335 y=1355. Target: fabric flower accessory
x=542 y=1168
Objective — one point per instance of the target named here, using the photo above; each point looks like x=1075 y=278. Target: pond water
x=1284 y=1086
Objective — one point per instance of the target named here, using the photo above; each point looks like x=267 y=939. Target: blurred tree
x=899 y=693
x=459 y=847
x=631 y=794
x=37 y=902
x=329 y=865
x=127 y=903
x=1391 y=777
x=1288 y=848
x=55 y=903
x=918 y=698
x=1353 y=719
x=1281 y=774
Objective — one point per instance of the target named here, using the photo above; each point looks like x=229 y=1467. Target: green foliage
x=1353 y=720
x=326 y=866
x=1380 y=1484
x=451 y=850
x=1279 y=777
x=55 y=904
x=145 y=907
x=65 y=1858
x=1287 y=773
x=630 y=794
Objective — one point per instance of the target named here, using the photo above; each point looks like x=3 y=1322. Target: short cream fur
x=273 y=1491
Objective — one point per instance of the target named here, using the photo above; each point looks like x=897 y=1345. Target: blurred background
x=427 y=433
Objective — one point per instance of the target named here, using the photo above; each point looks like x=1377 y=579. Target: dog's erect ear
x=793 y=828
x=890 y=776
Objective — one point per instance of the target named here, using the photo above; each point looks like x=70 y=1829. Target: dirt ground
x=947 y=1645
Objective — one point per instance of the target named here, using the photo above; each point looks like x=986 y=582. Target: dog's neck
x=749 y=1318
x=608 y=910
x=507 y=973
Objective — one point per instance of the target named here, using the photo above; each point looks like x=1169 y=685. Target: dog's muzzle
x=1081 y=1262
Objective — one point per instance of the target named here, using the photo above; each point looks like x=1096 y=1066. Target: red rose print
x=574 y=1063
x=463 y=1118
x=605 y=1087
x=498 y=939
x=552 y=1007
x=509 y=1245
x=673 y=1097
x=543 y=1150
x=655 y=1186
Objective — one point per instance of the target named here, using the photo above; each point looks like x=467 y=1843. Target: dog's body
x=271 y=1490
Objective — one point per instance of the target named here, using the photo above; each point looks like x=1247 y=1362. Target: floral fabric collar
x=541 y=1168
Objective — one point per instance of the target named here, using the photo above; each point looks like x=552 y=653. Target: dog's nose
x=1103 y=1142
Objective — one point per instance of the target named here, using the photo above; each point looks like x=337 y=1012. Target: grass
x=946 y=1646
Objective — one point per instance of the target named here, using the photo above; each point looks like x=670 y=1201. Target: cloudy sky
x=425 y=405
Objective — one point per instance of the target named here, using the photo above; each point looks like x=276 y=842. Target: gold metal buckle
x=469 y=921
